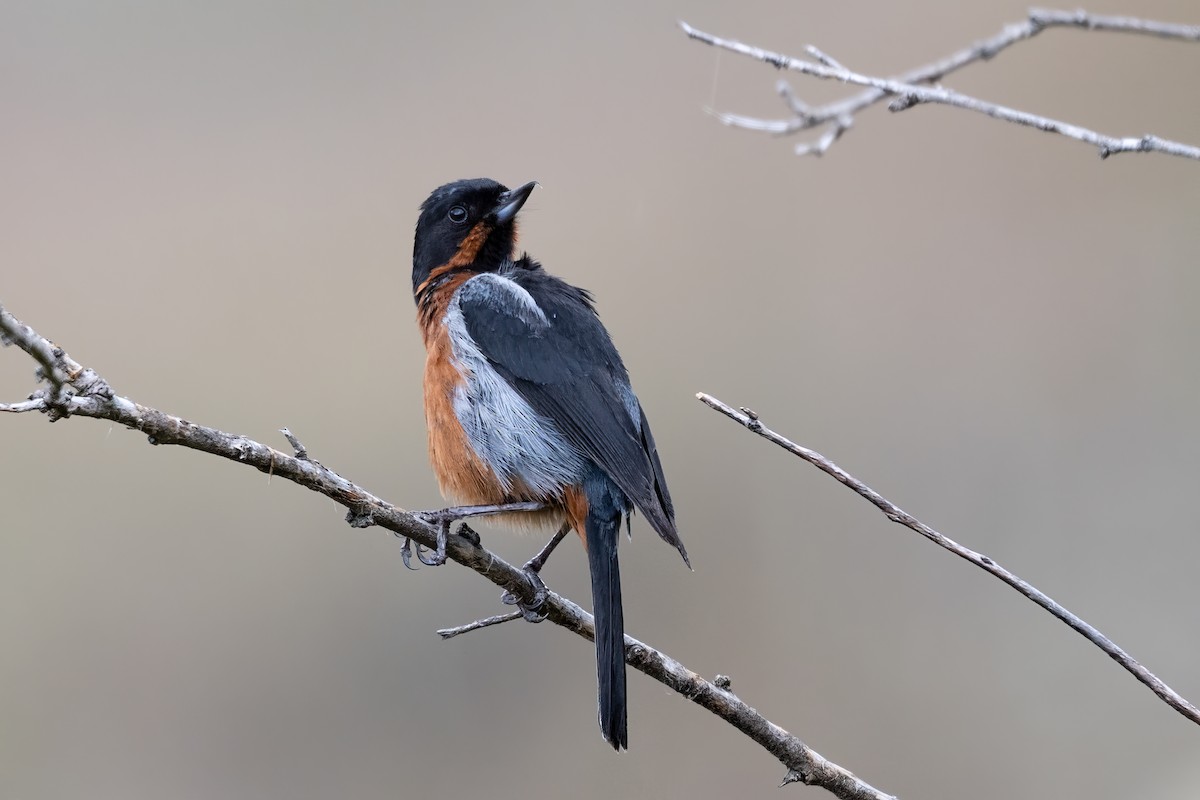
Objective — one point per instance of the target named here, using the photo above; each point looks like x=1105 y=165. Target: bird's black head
x=468 y=224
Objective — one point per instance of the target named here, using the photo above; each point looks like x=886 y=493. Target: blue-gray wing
x=543 y=336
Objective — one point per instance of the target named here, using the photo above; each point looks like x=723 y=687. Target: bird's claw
x=532 y=612
x=406 y=553
x=435 y=559
x=438 y=556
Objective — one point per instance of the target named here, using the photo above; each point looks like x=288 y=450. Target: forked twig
x=913 y=87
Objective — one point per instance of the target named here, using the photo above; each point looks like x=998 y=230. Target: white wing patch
x=505 y=295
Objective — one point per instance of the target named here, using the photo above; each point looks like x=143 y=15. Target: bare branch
x=82 y=397
x=896 y=514
x=912 y=85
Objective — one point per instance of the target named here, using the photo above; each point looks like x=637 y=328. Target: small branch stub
x=299 y=449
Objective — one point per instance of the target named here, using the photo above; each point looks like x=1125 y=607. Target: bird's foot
x=443 y=519
x=439 y=554
x=533 y=612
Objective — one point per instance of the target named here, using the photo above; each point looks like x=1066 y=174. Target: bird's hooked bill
x=511 y=201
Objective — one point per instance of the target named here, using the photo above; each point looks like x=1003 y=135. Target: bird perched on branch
x=527 y=400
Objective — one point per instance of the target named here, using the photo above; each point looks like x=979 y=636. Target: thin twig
x=43 y=351
x=486 y=622
x=896 y=514
x=805 y=118
x=1047 y=17
x=364 y=509
x=37 y=404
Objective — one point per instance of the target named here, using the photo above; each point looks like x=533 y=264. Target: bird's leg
x=532 y=567
x=444 y=518
x=536 y=563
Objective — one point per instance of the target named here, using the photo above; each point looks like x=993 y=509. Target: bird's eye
x=458 y=215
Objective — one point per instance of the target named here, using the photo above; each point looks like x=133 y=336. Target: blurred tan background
x=212 y=204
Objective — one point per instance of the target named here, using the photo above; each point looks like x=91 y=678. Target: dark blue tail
x=603 y=533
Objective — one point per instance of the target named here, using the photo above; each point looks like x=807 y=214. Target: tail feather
x=603 y=533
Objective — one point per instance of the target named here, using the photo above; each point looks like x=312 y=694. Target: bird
x=528 y=401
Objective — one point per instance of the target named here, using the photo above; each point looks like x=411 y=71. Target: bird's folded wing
x=557 y=355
